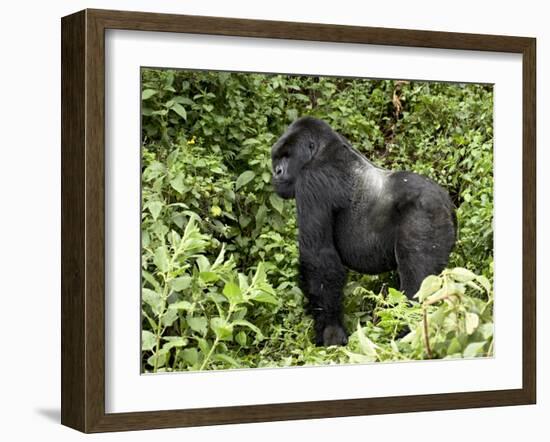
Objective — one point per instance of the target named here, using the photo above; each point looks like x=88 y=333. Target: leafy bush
x=219 y=253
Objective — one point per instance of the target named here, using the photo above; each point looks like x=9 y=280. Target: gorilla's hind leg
x=415 y=263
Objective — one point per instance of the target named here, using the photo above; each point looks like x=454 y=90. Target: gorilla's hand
x=334 y=335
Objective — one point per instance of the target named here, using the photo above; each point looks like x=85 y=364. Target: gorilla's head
x=301 y=142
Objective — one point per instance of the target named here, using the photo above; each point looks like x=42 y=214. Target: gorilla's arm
x=322 y=274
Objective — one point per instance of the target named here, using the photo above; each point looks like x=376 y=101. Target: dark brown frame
x=83 y=215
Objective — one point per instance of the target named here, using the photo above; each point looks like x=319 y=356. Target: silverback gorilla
x=354 y=214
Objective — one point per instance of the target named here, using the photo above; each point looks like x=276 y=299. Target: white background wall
x=30 y=216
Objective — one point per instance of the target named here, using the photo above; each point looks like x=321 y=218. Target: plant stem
x=209 y=355
x=159 y=327
x=167 y=279
x=490 y=349
x=426 y=336
x=217 y=340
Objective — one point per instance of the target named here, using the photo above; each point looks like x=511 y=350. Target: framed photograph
x=267 y=220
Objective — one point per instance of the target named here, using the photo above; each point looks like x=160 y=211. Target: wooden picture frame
x=83 y=220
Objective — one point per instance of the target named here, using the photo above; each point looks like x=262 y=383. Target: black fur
x=356 y=215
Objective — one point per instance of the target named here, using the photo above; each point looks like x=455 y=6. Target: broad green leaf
x=169 y=317
x=244 y=178
x=484 y=283
x=229 y=195
x=226 y=358
x=198 y=324
x=217 y=298
x=147 y=93
x=180 y=110
x=181 y=283
x=277 y=202
x=461 y=274
x=190 y=355
x=220 y=258
x=486 y=330
x=291 y=114
x=263 y=296
x=183 y=100
x=239 y=313
x=259 y=276
x=430 y=285
x=453 y=356
x=456 y=288
x=250 y=142
x=159 y=229
x=174 y=342
x=178 y=183
x=233 y=293
x=438 y=316
x=244 y=221
x=174 y=239
x=203 y=263
x=395 y=296
x=241 y=338
x=153 y=299
x=155 y=207
x=145 y=239
x=473 y=349
x=222 y=329
x=472 y=322
x=208 y=276
x=409 y=337
x=357 y=358
x=178 y=219
x=148 y=340
x=260 y=215
x=454 y=347
x=150 y=279
x=368 y=348
x=243 y=282
x=161 y=355
x=204 y=345
x=161 y=259
x=244 y=323
x=182 y=305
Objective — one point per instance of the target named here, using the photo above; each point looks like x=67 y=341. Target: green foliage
x=219 y=253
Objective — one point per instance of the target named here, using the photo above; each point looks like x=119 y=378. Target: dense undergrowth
x=219 y=253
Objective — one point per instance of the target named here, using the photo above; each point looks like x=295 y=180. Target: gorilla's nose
x=278 y=171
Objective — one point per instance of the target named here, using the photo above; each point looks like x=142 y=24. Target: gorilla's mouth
x=284 y=188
